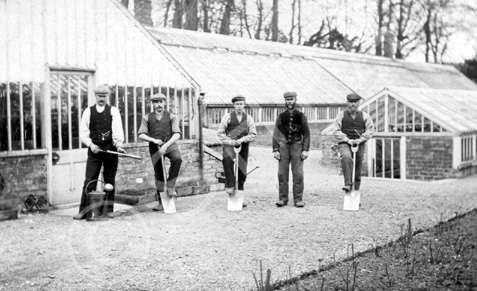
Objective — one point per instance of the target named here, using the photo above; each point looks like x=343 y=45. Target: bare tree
x=245 y=18
x=205 y=20
x=299 y=21
x=258 y=31
x=274 y=24
x=125 y=3
x=192 y=19
x=408 y=29
x=290 y=34
x=436 y=30
x=379 y=36
x=178 y=13
x=166 y=13
x=225 y=23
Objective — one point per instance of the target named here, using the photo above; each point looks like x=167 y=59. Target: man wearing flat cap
x=291 y=143
x=161 y=129
x=101 y=130
x=236 y=129
x=352 y=127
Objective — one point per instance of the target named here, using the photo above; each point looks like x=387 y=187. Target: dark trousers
x=290 y=154
x=228 y=163
x=174 y=156
x=93 y=168
x=347 y=164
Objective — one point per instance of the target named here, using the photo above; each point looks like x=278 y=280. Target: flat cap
x=289 y=94
x=238 y=98
x=158 y=96
x=353 y=97
x=101 y=90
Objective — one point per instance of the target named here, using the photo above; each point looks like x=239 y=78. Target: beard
x=291 y=105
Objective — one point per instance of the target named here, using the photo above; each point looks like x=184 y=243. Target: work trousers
x=228 y=163
x=346 y=156
x=290 y=154
x=174 y=156
x=93 y=168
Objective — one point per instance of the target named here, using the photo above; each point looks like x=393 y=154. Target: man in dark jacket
x=352 y=127
x=291 y=143
x=161 y=129
x=100 y=130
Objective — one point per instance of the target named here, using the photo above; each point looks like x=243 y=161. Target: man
x=291 y=143
x=236 y=129
x=161 y=129
x=352 y=127
x=101 y=130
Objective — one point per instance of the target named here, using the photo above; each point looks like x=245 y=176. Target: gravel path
x=204 y=247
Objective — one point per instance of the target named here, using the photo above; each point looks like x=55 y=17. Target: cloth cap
x=101 y=90
x=238 y=98
x=158 y=96
x=353 y=97
x=289 y=94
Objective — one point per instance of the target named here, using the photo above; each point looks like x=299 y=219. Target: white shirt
x=117 y=126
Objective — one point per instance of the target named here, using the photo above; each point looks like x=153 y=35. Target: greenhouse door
x=69 y=95
x=386 y=161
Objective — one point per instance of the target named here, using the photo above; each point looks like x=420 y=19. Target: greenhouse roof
x=225 y=66
x=453 y=109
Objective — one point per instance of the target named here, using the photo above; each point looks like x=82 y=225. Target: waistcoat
x=159 y=129
x=349 y=126
x=290 y=124
x=100 y=126
x=236 y=129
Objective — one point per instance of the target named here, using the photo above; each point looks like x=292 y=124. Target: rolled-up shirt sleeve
x=337 y=133
x=221 y=135
x=117 y=127
x=143 y=128
x=175 y=124
x=369 y=127
x=84 y=128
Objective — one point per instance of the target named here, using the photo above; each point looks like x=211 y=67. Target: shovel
x=235 y=202
x=352 y=198
x=167 y=201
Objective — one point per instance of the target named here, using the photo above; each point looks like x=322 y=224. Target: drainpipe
x=201 y=138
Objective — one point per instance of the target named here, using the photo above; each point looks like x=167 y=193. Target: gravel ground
x=204 y=247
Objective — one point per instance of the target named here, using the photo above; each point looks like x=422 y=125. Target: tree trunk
x=378 y=41
x=125 y=3
x=205 y=10
x=225 y=23
x=427 y=33
x=260 y=19
x=178 y=12
x=274 y=24
x=245 y=18
x=299 y=21
x=166 y=14
x=192 y=20
x=142 y=11
x=290 y=35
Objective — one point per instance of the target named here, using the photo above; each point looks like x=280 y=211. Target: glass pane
x=322 y=113
x=392 y=114
x=112 y=96
x=372 y=111
x=75 y=110
x=38 y=97
x=380 y=112
x=64 y=111
x=147 y=100
x=27 y=116
x=15 y=115
x=139 y=106
x=409 y=119
x=54 y=110
x=3 y=118
x=379 y=158
x=427 y=125
x=387 y=158
x=417 y=121
x=436 y=127
x=396 y=159
x=400 y=117
x=121 y=106
x=130 y=113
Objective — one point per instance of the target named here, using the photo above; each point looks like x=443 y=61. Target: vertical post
x=201 y=138
x=22 y=126
x=402 y=157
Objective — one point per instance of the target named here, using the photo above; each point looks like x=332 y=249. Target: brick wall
x=429 y=158
x=138 y=175
x=22 y=175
